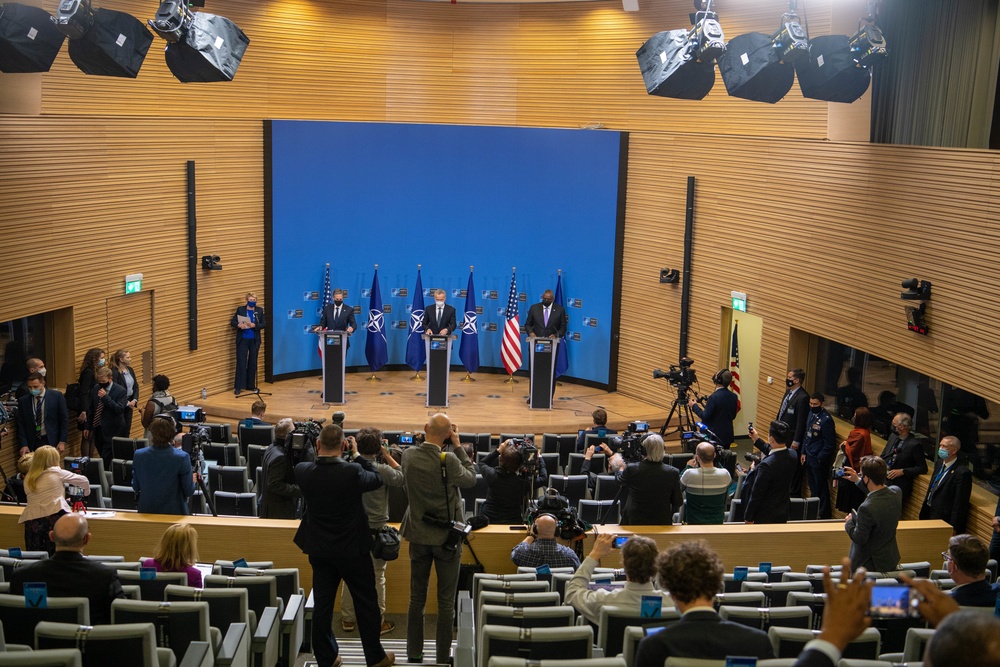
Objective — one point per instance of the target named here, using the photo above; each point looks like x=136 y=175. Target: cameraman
x=279 y=496
x=161 y=474
x=540 y=547
x=508 y=487
x=720 y=409
x=654 y=487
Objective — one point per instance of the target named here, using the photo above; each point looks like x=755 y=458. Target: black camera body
x=456 y=530
x=681 y=376
x=568 y=526
x=529 y=456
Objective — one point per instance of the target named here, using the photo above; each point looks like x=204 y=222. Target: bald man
x=69 y=574
x=950 y=488
x=540 y=547
x=433 y=478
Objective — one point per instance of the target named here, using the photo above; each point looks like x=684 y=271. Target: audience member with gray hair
x=279 y=495
x=654 y=487
x=903 y=455
x=950 y=488
x=965 y=561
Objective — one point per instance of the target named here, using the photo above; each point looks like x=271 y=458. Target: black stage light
x=868 y=43
x=830 y=73
x=760 y=68
x=200 y=46
x=681 y=63
x=29 y=42
x=103 y=42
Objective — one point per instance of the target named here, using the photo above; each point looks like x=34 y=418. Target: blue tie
x=937 y=478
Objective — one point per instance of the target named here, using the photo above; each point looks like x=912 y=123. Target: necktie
x=440 y=312
x=546 y=316
x=784 y=404
x=336 y=313
x=937 y=478
x=38 y=414
x=97 y=412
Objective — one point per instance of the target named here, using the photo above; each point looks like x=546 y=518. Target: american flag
x=734 y=367
x=510 y=349
x=327 y=300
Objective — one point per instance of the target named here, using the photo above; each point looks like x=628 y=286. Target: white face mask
x=440 y=304
x=41 y=371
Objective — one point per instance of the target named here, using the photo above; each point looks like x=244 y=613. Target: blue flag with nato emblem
x=562 y=362
x=468 y=349
x=376 y=351
x=415 y=352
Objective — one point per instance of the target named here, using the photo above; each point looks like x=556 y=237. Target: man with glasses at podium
x=338 y=316
x=439 y=318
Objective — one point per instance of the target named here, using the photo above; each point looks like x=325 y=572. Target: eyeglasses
x=946 y=555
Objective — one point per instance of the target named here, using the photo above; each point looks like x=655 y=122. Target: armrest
x=891 y=657
x=165 y=657
x=266 y=638
x=235 y=648
x=307 y=621
x=198 y=654
x=292 y=622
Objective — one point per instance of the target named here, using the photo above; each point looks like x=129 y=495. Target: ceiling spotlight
x=28 y=40
x=669 y=276
x=681 y=63
x=103 y=41
x=200 y=46
x=868 y=43
x=916 y=290
x=831 y=73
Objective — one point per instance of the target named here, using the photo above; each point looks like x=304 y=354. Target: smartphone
x=619 y=542
x=892 y=601
x=749 y=426
x=406 y=439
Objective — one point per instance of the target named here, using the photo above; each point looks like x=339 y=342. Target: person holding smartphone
x=872 y=528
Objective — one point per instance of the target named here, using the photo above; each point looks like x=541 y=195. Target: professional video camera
x=629 y=444
x=568 y=526
x=681 y=376
x=529 y=456
x=305 y=433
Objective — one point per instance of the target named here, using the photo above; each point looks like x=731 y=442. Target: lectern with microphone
x=543 y=371
x=334 y=357
x=438 y=366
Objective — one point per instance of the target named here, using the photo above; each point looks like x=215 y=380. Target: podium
x=334 y=358
x=543 y=371
x=438 y=366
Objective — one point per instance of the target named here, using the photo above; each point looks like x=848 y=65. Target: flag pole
x=417 y=377
x=468 y=376
x=510 y=377
x=374 y=378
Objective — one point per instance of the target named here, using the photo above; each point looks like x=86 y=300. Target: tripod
x=680 y=407
x=198 y=460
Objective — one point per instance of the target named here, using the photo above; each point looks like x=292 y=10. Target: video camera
x=305 y=433
x=456 y=530
x=629 y=445
x=529 y=456
x=568 y=526
x=681 y=376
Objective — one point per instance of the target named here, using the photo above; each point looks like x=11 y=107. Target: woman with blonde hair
x=177 y=552
x=44 y=488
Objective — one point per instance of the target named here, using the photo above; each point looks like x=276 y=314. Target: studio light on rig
x=103 y=42
x=681 y=63
x=200 y=46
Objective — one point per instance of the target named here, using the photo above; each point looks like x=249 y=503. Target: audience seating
x=775 y=574
x=500 y=661
x=234 y=479
x=815 y=601
x=125 y=448
x=803 y=509
x=262 y=593
x=129 y=565
x=736 y=511
x=532 y=617
x=8 y=565
x=25 y=555
x=255 y=460
x=913 y=646
x=599 y=511
x=520 y=600
x=477 y=491
x=789 y=642
x=815 y=579
x=551 y=460
x=895 y=630
x=132 y=592
x=755 y=600
x=598 y=464
x=123 y=497
x=254 y=435
x=286 y=579
x=763 y=618
x=508 y=586
x=106 y=559
x=731 y=585
x=227 y=568
x=479 y=577
x=56 y=657
x=705 y=505
x=607 y=488
x=93 y=471
x=572 y=487
x=678 y=460
x=222 y=432
x=572 y=643
x=19 y=620
x=197 y=503
x=614 y=620
x=777 y=594
x=152 y=589
x=222 y=454
x=180 y=623
x=235 y=504
x=132 y=644
x=545 y=577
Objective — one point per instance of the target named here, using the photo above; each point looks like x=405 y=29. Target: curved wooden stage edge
x=135 y=535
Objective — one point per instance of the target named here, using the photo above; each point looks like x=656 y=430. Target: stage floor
x=488 y=405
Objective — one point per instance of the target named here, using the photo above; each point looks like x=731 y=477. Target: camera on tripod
x=525 y=447
x=681 y=376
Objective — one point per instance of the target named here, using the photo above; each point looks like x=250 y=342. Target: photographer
x=279 y=497
x=540 y=547
x=370 y=447
x=161 y=474
x=720 y=409
x=654 y=487
x=509 y=482
x=768 y=498
x=872 y=528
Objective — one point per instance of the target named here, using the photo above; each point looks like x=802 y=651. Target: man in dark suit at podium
x=439 y=319
x=546 y=319
x=338 y=316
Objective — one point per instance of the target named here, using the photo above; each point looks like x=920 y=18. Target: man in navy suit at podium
x=338 y=316
x=439 y=318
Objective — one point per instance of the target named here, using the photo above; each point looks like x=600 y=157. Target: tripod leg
x=673 y=411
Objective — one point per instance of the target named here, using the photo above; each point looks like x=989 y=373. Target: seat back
x=177 y=623
x=730 y=584
x=598 y=463
x=54 y=657
x=8 y=565
x=789 y=642
x=703 y=510
x=572 y=487
x=132 y=644
x=222 y=454
x=508 y=586
x=225 y=605
x=551 y=460
x=740 y=599
x=895 y=631
x=19 y=620
x=815 y=601
x=614 y=620
x=254 y=435
x=736 y=511
x=93 y=470
x=815 y=579
x=916 y=643
x=123 y=497
x=227 y=568
x=777 y=593
x=228 y=478
x=235 y=504
x=599 y=511
x=476 y=491
x=567 y=445
x=255 y=460
x=570 y=643
x=606 y=488
x=520 y=600
x=26 y=555
x=221 y=432
x=152 y=589
x=286 y=579
x=532 y=617
x=125 y=448
x=121 y=472
x=262 y=592
x=763 y=618
x=479 y=577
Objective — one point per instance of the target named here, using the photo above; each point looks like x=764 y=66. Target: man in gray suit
x=432 y=479
x=873 y=528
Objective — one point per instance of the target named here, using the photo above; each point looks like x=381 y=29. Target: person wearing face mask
x=818 y=449
x=439 y=318
x=338 y=316
x=903 y=455
x=42 y=417
x=794 y=411
x=107 y=413
x=872 y=528
x=124 y=376
x=35 y=365
x=546 y=319
x=950 y=488
x=92 y=360
x=248 y=320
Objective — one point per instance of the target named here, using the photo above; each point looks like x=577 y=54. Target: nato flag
x=468 y=349
x=376 y=351
x=415 y=352
x=562 y=363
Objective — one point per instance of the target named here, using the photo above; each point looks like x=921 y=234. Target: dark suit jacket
x=908 y=456
x=113 y=413
x=335 y=526
x=70 y=574
x=86 y=382
x=56 y=419
x=119 y=378
x=431 y=323
x=796 y=413
x=768 y=502
x=535 y=323
x=950 y=498
x=873 y=535
x=813 y=658
x=654 y=493
x=258 y=321
x=328 y=321
x=702 y=634
x=719 y=413
x=977 y=594
x=162 y=478
x=279 y=497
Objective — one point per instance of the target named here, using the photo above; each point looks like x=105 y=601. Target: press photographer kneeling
x=654 y=488
x=513 y=472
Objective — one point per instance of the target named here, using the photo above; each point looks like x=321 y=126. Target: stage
x=488 y=405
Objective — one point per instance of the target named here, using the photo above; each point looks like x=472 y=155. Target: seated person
x=540 y=547
x=70 y=574
x=178 y=552
x=654 y=488
x=600 y=427
x=965 y=561
x=639 y=558
x=256 y=417
x=509 y=489
x=702 y=479
x=693 y=574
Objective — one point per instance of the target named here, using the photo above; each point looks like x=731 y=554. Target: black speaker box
x=115 y=45
x=830 y=72
x=29 y=41
x=751 y=69
x=670 y=70
x=211 y=50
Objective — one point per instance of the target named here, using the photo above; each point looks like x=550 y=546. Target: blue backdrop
x=445 y=197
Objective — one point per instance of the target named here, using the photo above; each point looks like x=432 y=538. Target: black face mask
x=338 y=303
x=816 y=411
x=789 y=383
x=546 y=302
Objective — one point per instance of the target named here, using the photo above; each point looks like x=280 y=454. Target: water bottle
x=204 y=393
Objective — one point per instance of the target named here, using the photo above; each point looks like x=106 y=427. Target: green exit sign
x=739 y=301
x=133 y=283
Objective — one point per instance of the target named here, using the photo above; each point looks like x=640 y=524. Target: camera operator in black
x=279 y=497
x=720 y=409
x=508 y=488
x=654 y=487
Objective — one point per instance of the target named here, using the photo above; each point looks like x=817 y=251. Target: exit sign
x=739 y=301
x=133 y=283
